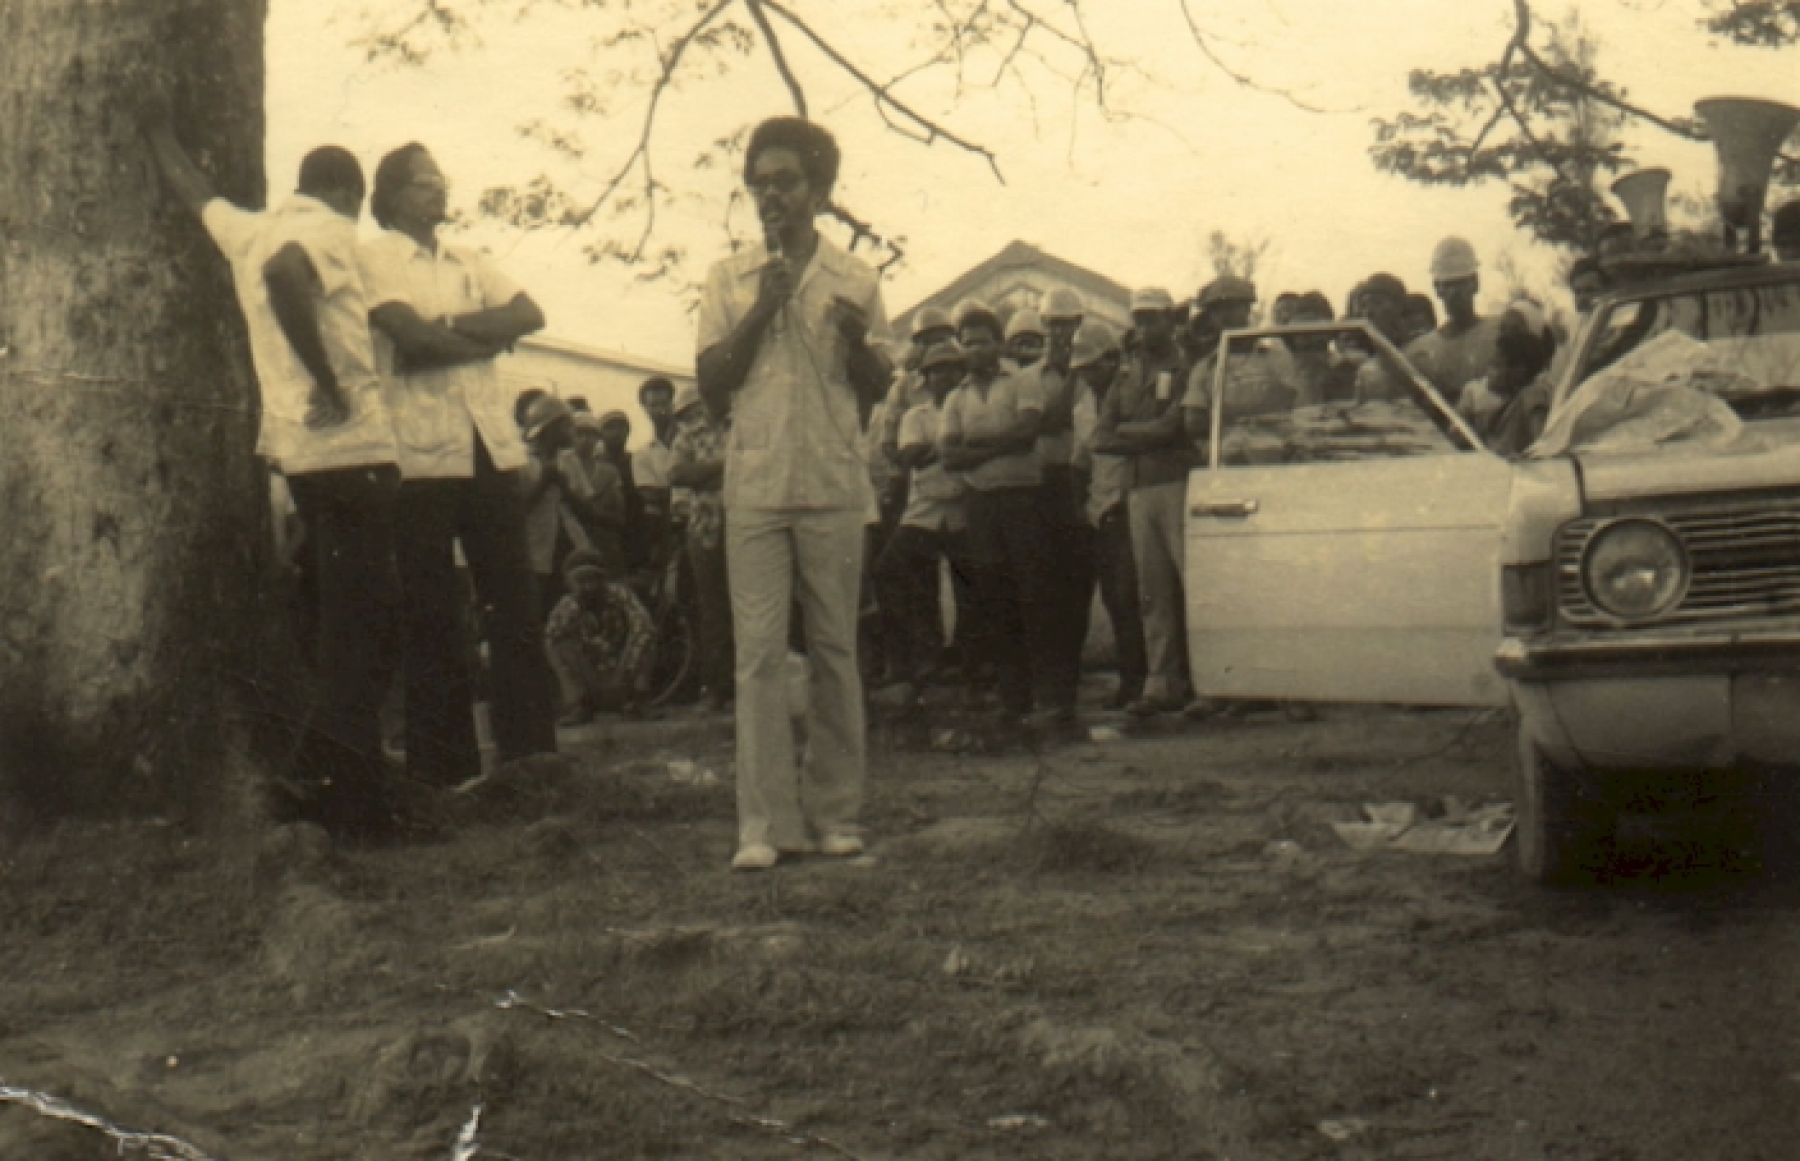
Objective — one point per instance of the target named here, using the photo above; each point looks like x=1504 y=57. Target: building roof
x=1017 y=255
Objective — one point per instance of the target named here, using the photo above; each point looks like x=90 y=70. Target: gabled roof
x=1017 y=255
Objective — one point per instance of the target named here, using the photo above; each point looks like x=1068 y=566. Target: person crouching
x=601 y=640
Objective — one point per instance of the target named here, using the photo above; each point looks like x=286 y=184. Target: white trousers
x=773 y=556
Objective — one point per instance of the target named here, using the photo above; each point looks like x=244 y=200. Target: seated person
x=601 y=639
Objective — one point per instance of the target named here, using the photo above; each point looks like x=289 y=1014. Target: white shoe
x=841 y=846
x=755 y=857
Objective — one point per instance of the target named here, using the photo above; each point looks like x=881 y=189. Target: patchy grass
x=1168 y=956
x=1083 y=846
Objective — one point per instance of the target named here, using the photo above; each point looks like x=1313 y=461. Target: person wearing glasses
x=788 y=343
x=440 y=314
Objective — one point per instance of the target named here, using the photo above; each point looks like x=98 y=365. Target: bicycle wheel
x=676 y=650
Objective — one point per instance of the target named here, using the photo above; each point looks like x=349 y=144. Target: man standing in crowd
x=1259 y=378
x=786 y=343
x=1381 y=299
x=608 y=531
x=1518 y=387
x=650 y=466
x=1587 y=282
x=325 y=424
x=1461 y=350
x=1094 y=357
x=1317 y=377
x=615 y=433
x=1418 y=317
x=565 y=508
x=1025 y=338
x=1784 y=232
x=1064 y=502
x=930 y=327
x=988 y=432
x=934 y=527
x=699 y=466
x=1141 y=420
x=441 y=314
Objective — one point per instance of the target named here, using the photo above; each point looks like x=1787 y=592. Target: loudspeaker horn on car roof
x=1747 y=132
x=1644 y=194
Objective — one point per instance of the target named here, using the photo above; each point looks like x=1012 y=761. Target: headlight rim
x=1599 y=534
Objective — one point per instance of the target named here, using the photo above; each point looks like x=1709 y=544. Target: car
x=1637 y=606
x=1651 y=597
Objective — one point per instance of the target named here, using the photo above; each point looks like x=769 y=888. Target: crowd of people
x=811 y=491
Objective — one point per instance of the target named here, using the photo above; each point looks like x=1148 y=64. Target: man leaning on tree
x=325 y=427
x=787 y=339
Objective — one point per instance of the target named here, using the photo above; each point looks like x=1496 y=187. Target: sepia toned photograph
x=899 y=580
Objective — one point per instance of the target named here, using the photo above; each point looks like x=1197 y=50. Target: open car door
x=1343 y=544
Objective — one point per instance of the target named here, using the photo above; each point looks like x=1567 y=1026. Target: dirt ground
x=1148 y=947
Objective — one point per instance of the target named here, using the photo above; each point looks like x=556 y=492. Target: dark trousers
x=712 y=599
x=906 y=578
x=486 y=512
x=1009 y=544
x=349 y=515
x=1116 y=570
x=1072 y=570
x=877 y=652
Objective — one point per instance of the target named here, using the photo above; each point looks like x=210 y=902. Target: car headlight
x=1635 y=569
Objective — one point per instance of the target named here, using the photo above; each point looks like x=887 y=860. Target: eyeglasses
x=783 y=181
x=436 y=184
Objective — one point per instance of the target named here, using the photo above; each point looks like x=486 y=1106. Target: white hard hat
x=1024 y=322
x=1093 y=342
x=1062 y=303
x=1454 y=258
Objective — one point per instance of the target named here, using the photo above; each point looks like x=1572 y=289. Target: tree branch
x=884 y=99
x=641 y=152
x=861 y=230
x=1506 y=102
x=1206 y=50
x=1522 y=14
x=778 y=56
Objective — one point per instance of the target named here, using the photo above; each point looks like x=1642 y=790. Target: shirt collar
x=413 y=249
x=304 y=203
x=827 y=256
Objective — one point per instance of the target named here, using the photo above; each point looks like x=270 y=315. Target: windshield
x=1740 y=345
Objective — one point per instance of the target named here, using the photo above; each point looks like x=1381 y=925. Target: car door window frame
x=1445 y=417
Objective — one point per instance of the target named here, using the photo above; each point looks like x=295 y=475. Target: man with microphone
x=787 y=343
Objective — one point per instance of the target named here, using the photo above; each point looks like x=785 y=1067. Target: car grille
x=1746 y=563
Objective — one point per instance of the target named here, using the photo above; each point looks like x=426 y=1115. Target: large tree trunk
x=130 y=501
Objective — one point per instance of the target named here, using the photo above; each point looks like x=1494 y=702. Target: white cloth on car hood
x=1663 y=395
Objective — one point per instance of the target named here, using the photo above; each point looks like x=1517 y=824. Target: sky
x=1134 y=195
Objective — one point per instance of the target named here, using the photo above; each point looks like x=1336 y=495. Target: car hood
x=1681 y=469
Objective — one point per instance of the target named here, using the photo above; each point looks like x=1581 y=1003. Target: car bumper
x=1659 y=702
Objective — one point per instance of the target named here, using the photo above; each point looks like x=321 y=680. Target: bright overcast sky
x=1133 y=198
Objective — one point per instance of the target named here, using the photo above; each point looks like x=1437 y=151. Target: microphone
x=772 y=243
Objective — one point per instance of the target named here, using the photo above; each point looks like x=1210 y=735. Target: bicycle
x=675 y=671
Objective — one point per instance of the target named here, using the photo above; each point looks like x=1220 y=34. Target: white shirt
x=935 y=498
x=437 y=411
x=989 y=411
x=248 y=239
x=796 y=430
